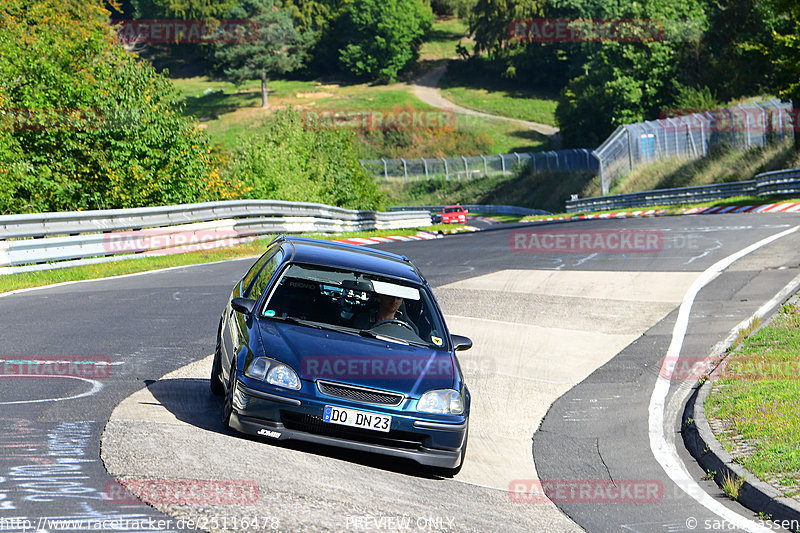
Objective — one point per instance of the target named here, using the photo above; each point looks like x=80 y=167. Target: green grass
x=445 y=35
x=723 y=164
x=506 y=137
x=539 y=191
x=10 y=282
x=230 y=114
x=503 y=219
x=758 y=397
x=491 y=94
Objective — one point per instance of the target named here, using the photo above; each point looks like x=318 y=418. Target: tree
x=625 y=82
x=182 y=9
x=383 y=36
x=735 y=51
x=489 y=22
x=277 y=49
x=84 y=124
x=787 y=58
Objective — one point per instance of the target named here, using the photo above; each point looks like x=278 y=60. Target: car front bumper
x=429 y=442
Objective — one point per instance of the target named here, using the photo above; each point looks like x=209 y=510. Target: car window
x=262 y=279
x=453 y=210
x=345 y=299
x=247 y=281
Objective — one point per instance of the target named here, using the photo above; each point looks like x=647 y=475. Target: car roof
x=352 y=257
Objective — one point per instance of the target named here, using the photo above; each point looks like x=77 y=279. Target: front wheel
x=227 y=407
x=217 y=387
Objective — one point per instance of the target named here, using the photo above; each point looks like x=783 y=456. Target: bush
x=288 y=161
x=86 y=124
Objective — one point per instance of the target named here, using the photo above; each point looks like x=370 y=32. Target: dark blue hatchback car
x=344 y=346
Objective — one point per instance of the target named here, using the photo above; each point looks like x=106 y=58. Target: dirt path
x=425 y=88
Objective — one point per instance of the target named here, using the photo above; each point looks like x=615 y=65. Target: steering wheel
x=397 y=322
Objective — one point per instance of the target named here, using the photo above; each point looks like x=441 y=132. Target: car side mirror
x=243 y=305
x=461 y=342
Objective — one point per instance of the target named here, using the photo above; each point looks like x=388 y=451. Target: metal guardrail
x=777 y=183
x=479 y=208
x=52 y=240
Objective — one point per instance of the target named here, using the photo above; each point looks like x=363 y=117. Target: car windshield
x=356 y=302
x=452 y=210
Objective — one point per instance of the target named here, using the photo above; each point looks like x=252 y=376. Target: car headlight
x=273 y=372
x=441 y=401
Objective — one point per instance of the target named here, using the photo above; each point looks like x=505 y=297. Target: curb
x=366 y=241
x=421 y=236
x=699 y=439
x=789 y=207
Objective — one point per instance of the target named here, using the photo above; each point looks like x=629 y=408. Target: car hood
x=356 y=360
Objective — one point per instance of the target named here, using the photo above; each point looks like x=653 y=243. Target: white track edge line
x=664 y=453
x=77 y=281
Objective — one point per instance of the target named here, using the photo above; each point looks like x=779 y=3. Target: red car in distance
x=453 y=214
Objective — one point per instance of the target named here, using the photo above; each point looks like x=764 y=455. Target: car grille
x=315 y=424
x=359 y=394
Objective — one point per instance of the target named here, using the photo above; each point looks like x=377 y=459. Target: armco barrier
x=42 y=240
x=777 y=183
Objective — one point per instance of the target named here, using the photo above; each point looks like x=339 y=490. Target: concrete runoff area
x=524 y=358
x=522 y=368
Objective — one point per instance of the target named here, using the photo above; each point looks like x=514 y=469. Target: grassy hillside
x=549 y=191
x=546 y=191
x=724 y=164
x=467 y=85
x=229 y=114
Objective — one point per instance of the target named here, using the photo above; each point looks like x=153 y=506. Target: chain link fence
x=692 y=135
x=461 y=168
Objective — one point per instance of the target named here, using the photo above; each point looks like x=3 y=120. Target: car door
x=235 y=330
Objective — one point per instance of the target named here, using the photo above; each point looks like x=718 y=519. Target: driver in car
x=388 y=308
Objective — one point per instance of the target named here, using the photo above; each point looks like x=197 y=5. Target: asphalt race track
x=569 y=341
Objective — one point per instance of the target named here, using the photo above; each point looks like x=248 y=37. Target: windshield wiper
x=381 y=337
x=378 y=336
x=315 y=325
x=298 y=321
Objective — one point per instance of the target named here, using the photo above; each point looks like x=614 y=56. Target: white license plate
x=357 y=419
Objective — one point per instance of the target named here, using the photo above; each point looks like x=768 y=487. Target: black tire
x=227 y=407
x=450 y=472
x=217 y=387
